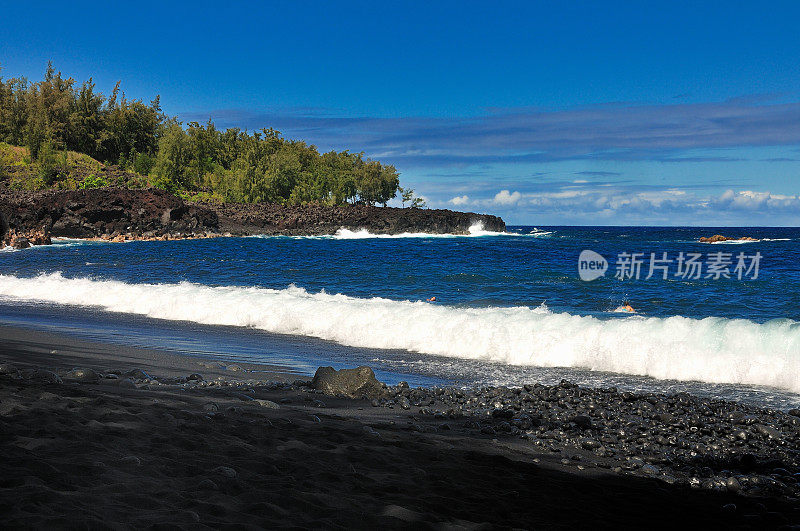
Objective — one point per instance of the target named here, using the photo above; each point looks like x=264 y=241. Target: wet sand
x=158 y=449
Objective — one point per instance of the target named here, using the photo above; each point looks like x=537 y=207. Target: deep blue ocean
x=509 y=308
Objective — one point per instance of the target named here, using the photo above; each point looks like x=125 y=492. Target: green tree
x=54 y=115
x=172 y=159
x=406 y=195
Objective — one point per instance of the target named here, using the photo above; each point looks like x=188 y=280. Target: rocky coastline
x=121 y=214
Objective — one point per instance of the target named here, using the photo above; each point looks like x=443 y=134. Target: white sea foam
x=712 y=349
x=475 y=230
x=362 y=234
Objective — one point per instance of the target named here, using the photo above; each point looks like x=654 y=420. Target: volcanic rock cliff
x=125 y=214
x=102 y=213
x=311 y=219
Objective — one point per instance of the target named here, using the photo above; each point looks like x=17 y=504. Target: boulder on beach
x=82 y=375
x=42 y=375
x=353 y=383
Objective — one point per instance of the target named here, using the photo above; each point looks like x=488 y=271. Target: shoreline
x=396 y=461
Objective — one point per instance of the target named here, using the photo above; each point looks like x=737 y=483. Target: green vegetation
x=407 y=196
x=68 y=128
x=93 y=181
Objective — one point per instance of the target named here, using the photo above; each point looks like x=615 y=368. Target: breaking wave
x=475 y=230
x=712 y=349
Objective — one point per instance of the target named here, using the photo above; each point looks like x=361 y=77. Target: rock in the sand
x=226 y=472
x=138 y=374
x=127 y=383
x=369 y=430
x=352 y=383
x=211 y=407
x=582 y=421
x=82 y=375
x=7 y=368
x=131 y=460
x=207 y=484
x=403 y=514
x=269 y=404
x=41 y=375
x=49 y=397
x=650 y=470
x=195 y=377
x=729 y=508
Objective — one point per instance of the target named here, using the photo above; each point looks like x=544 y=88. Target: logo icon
x=591 y=265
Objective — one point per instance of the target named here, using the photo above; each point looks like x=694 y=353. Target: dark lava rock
x=138 y=374
x=82 y=375
x=269 y=404
x=127 y=383
x=41 y=375
x=316 y=218
x=729 y=508
x=131 y=460
x=119 y=213
x=582 y=421
x=503 y=413
x=352 y=383
x=678 y=438
x=207 y=484
x=226 y=472
x=102 y=211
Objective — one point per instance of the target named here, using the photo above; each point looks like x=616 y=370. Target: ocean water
x=510 y=308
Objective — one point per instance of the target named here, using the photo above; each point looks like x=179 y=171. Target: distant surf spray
x=475 y=230
x=714 y=350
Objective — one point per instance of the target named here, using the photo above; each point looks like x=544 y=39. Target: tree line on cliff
x=56 y=115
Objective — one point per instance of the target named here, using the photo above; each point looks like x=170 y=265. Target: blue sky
x=542 y=112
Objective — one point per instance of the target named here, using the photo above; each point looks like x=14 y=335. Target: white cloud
x=460 y=200
x=757 y=201
x=504 y=197
x=623 y=204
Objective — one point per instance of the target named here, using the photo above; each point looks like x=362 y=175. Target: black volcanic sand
x=151 y=439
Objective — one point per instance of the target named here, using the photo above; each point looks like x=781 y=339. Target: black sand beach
x=158 y=440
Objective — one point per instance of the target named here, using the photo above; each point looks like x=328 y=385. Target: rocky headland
x=317 y=219
x=121 y=214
